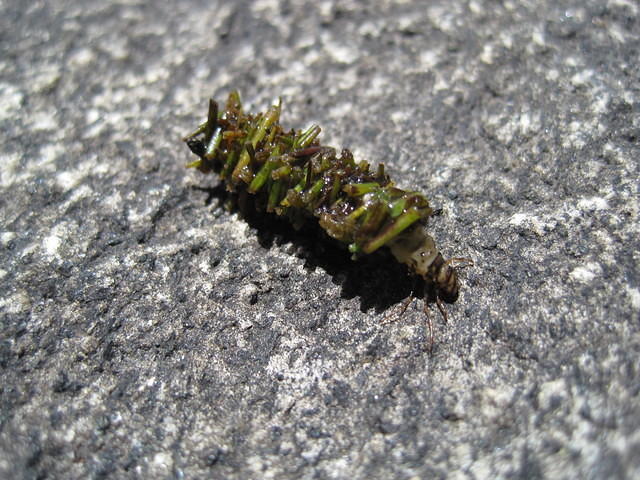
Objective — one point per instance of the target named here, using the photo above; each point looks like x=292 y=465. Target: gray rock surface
x=148 y=332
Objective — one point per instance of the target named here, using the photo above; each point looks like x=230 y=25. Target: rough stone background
x=148 y=332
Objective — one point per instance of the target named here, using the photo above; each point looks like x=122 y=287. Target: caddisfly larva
x=292 y=175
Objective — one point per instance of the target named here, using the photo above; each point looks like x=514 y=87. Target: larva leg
x=395 y=315
x=443 y=311
x=459 y=262
x=425 y=309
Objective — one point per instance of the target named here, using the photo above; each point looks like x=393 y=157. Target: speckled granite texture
x=149 y=332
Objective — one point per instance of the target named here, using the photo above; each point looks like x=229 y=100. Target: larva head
x=446 y=280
